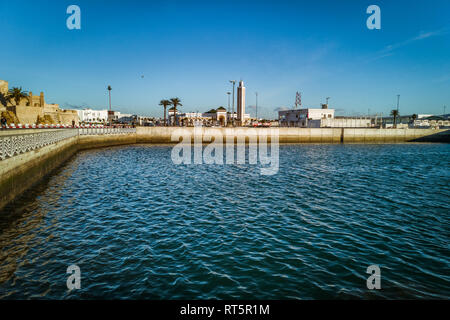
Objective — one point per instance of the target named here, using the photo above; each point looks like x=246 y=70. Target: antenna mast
x=298 y=99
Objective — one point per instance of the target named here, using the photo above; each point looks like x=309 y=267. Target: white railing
x=92 y=131
x=17 y=143
x=13 y=143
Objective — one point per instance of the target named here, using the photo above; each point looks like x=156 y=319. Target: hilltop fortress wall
x=33 y=109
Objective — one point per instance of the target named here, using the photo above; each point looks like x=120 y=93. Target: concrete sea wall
x=21 y=172
x=362 y=135
x=99 y=141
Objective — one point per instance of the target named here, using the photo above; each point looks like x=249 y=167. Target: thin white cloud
x=389 y=49
x=424 y=35
x=380 y=56
x=321 y=52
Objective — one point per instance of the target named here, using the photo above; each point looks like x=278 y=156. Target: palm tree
x=165 y=103
x=175 y=102
x=4 y=99
x=16 y=94
x=412 y=119
x=395 y=114
x=109 y=92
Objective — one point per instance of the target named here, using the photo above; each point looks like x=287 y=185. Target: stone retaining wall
x=305 y=135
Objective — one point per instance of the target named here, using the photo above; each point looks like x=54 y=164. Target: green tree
x=175 y=102
x=16 y=94
x=395 y=114
x=165 y=103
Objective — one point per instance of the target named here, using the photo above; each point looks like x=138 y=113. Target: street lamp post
x=110 y=111
x=232 y=115
x=228 y=94
x=109 y=92
x=256 y=93
x=398 y=115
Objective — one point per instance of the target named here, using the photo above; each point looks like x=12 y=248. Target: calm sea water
x=139 y=226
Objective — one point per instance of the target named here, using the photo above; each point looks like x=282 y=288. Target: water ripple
x=140 y=227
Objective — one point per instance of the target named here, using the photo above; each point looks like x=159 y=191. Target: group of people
x=3 y=123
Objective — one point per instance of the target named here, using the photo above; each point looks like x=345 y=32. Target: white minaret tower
x=241 y=102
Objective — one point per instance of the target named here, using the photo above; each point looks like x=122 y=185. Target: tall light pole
x=232 y=115
x=444 y=110
x=328 y=98
x=109 y=92
x=398 y=114
x=229 y=111
x=256 y=93
x=110 y=112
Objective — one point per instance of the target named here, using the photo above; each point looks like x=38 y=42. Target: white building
x=421 y=116
x=219 y=117
x=433 y=122
x=101 y=116
x=301 y=117
x=241 y=103
x=320 y=118
x=122 y=117
x=195 y=118
x=93 y=116
x=341 y=122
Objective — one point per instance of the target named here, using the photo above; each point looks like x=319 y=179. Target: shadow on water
x=22 y=219
x=436 y=137
x=27 y=202
x=24 y=204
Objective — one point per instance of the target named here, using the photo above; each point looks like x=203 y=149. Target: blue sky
x=190 y=49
